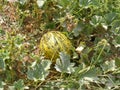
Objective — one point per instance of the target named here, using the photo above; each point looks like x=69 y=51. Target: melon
x=54 y=42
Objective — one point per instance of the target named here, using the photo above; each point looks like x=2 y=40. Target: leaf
x=88 y=3
x=116 y=42
x=89 y=75
x=50 y=25
x=85 y=2
x=117 y=62
x=63 y=64
x=116 y=24
x=64 y=3
x=1 y=85
x=19 y=85
x=22 y=1
x=2 y=64
x=2 y=32
x=117 y=38
x=96 y=20
x=110 y=17
x=41 y=2
x=11 y=87
x=95 y=2
x=39 y=71
x=77 y=30
x=109 y=66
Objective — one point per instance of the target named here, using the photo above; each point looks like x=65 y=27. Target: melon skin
x=54 y=42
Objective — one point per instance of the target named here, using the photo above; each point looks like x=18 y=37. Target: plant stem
x=98 y=55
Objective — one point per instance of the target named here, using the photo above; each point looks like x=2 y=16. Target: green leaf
x=85 y=2
x=109 y=66
x=117 y=38
x=2 y=32
x=64 y=3
x=117 y=62
x=116 y=27
x=19 y=85
x=63 y=64
x=2 y=64
x=96 y=20
x=116 y=24
x=110 y=17
x=18 y=39
x=50 y=25
x=22 y=1
x=78 y=29
x=39 y=71
x=95 y=3
x=89 y=75
x=88 y=29
x=2 y=85
x=116 y=41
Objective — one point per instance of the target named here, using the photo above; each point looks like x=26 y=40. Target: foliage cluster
x=93 y=26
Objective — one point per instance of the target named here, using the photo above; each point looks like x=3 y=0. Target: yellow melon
x=54 y=42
